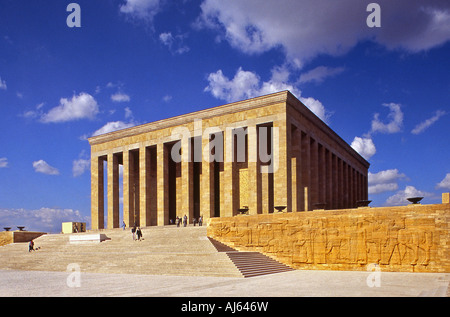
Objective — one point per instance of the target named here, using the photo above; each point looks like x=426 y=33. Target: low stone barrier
x=88 y=238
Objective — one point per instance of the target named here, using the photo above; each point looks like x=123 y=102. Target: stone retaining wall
x=412 y=238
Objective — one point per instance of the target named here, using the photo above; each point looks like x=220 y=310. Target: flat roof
x=262 y=101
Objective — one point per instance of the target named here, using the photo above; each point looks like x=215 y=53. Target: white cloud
x=113 y=126
x=319 y=74
x=384 y=181
x=120 y=97
x=141 y=9
x=44 y=219
x=445 y=183
x=83 y=106
x=364 y=146
x=246 y=84
x=3 y=162
x=117 y=125
x=395 y=118
x=427 y=123
x=317 y=107
x=304 y=29
x=42 y=166
x=174 y=43
x=80 y=166
x=167 y=98
x=2 y=84
x=400 y=198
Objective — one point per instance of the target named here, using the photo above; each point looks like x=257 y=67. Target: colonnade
x=261 y=165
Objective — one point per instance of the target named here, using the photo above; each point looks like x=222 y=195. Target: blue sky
x=384 y=90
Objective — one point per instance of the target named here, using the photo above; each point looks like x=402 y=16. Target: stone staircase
x=251 y=264
x=163 y=251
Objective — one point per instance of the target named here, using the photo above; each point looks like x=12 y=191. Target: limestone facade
x=254 y=154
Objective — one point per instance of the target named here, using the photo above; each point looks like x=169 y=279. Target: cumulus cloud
x=44 y=219
x=42 y=166
x=141 y=9
x=384 y=181
x=445 y=183
x=120 y=97
x=113 y=126
x=400 y=198
x=364 y=146
x=247 y=84
x=319 y=74
x=305 y=29
x=3 y=162
x=82 y=106
x=394 y=123
x=118 y=125
x=427 y=123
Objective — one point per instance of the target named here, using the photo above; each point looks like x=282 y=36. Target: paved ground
x=288 y=284
x=183 y=263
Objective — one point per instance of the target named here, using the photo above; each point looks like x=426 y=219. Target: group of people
x=135 y=230
x=137 y=233
x=184 y=220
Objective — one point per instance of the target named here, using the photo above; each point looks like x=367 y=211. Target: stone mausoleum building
x=253 y=155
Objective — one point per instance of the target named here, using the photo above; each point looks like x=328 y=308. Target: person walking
x=133 y=231
x=31 y=246
x=200 y=221
x=185 y=220
x=124 y=225
x=139 y=234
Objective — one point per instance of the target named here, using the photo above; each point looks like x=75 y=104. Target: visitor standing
x=133 y=231
x=185 y=220
x=139 y=234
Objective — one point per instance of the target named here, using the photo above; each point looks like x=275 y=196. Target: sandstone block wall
x=7 y=237
x=413 y=238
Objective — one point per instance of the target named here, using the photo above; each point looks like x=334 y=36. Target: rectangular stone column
x=187 y=180
x=207 y=181
x=254 y=173
x=306 y=170
x=144 y=186
x=97 y=193
x=322 y=196
x=341 y=191
x=229 y=206
x=163 y=184
x=335 y=174
x=282 y=176
x=113 y=191
x=329 y=179
x=128 y=189
x=314 y=187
